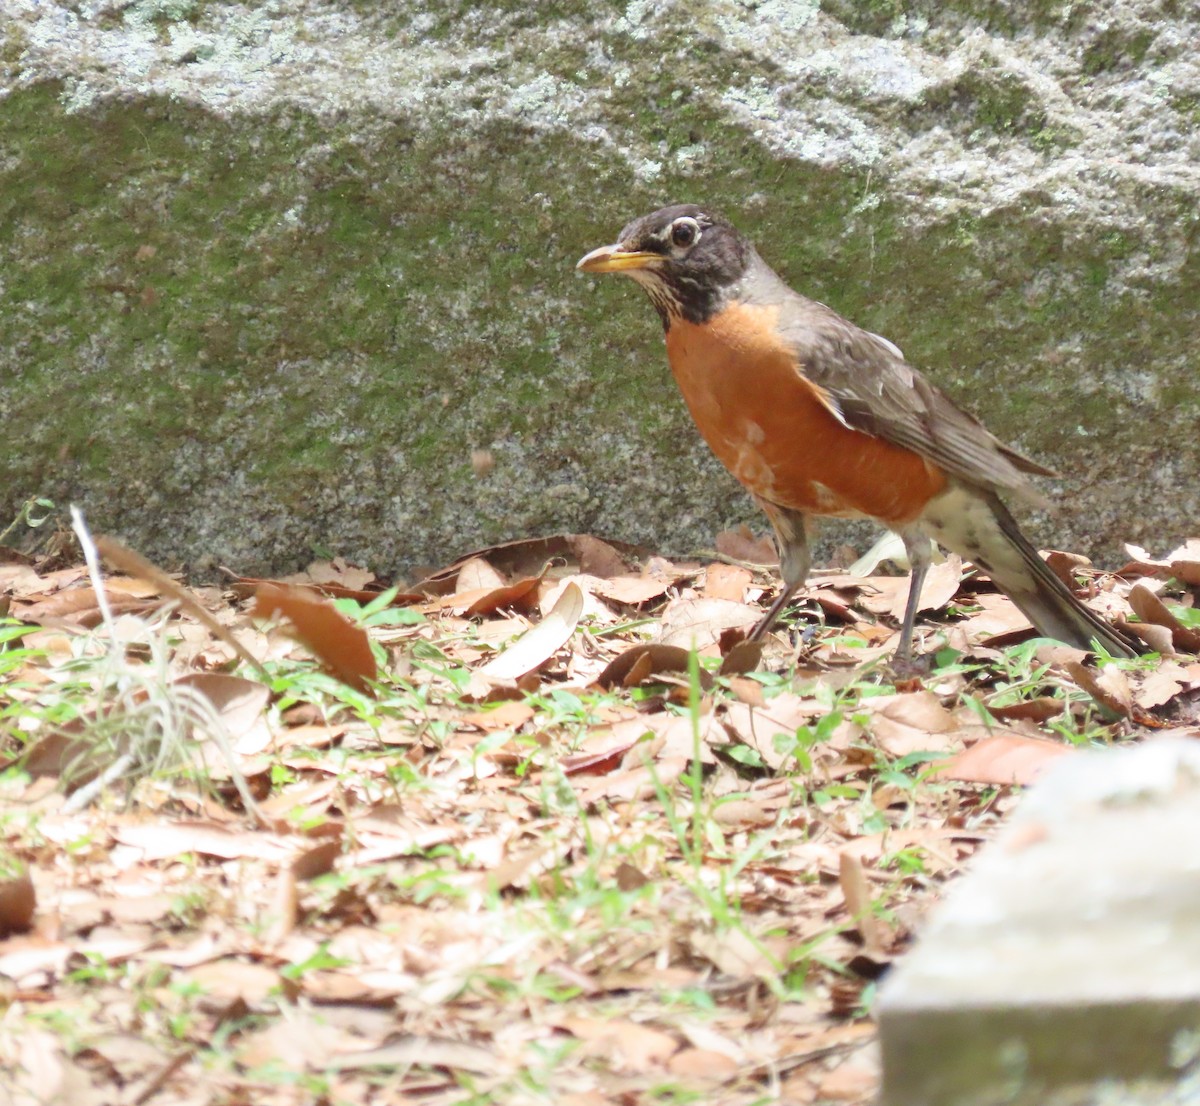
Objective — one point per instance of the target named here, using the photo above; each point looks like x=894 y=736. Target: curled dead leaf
x=342 y=647
x=539 y=643
x=638 y=663
x=1148 y=607
x=1109 y=686
x=18 y=900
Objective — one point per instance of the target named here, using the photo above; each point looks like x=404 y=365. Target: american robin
x=816 y=416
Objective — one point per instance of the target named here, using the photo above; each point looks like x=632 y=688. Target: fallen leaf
x=848 y=1084
x=1185 y=563
x=638 y=663
x=723 y=581
x=857 y=894
x=350 y=577
x=18 y=901
x=240 y=704
x=631 y=591
x=1162 y=685
x=1148 y=607
x=508 y=715
x=431 y=1051
x=1039 y=709
x=635 y=1046
x=940 y=586
x=477 y=575
x=639 y=782
x=81 y=607
x=695 y=1064
x=538 y=644
x=912 y=722
x=300 y=1043
x=596 y=557
x=1003 y=760
x=1109 y=686
x=734 y=953
x=741 y=544
x=698 y=623
x=743 y=657
x=345 y=649
x=529 y=557
x=159 y=841
x=229 y=979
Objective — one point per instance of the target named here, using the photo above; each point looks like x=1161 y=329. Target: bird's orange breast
x=777 y=432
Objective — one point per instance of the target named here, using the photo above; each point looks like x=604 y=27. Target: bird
x=816 y=416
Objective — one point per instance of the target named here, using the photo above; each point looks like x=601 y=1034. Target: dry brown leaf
x=941 y=585
x=431 y=1051
x=857 y=894
x=477 y=575
x=996 y=616
x=598 y=558
x=38 y=1071
x=630 y=591
x=1148 y=607
x=342 y=647
x=698 y=623
x=748 y=691
x=741 y=544
x=1066 y=566
x=157 y=841
x=723 y=581
x=702 y=1065
x=912 y=722
x=741 y=657
x=637 y=1047
x=519 y=595
x=1185 y=563
x=245 y=586
x=284 y=910
x=639 y=782
x=229 y=979
x=1003 y=760
x=771 y=728
x=301 y=1042
x=18 y=901
x=848 y=1083
x=1040 y=709
x=638 y=663
x=1109 y=686
x=338 y=571
x=241 y=705
x=734 y=953
x=319 y=860
x=530 y=556
x=538 y=644
x=81 y=607
x=508 y=715
x=1162 y=685
x=605 y=746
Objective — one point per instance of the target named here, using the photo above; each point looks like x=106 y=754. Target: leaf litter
x=540 y=826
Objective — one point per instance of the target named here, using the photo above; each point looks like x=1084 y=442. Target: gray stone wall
x=270 y=272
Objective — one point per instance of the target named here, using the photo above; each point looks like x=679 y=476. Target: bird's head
x=686 y=257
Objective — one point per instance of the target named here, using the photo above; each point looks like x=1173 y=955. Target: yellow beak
x=616 y=259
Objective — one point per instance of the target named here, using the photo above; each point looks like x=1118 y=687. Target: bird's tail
x=995 y=543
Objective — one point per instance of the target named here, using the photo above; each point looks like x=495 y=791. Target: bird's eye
x=684 y=232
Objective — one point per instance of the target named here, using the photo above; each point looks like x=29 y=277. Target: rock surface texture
x=1063 y=968
x=270 y=272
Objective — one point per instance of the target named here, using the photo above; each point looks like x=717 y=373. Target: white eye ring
x=685 y=232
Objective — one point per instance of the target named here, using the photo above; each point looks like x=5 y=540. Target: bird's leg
x=920 y=555
x=794 y=559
